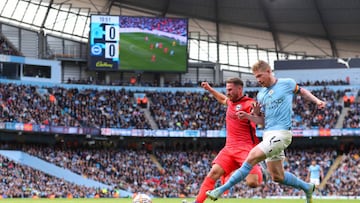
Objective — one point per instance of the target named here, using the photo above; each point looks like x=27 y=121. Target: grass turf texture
x=173 y=200
x=135 y=53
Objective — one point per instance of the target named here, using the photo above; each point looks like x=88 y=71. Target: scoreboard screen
x=131 y=43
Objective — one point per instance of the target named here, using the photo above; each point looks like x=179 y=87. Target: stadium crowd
x=186 y=110
x=176 y=26
x=192 y=110
x=307 y=116
x=352 y=117
x=94 y=108
x=19 y=181
x=58 y=106
x=345 y=180
x=138 y=82
x=188 y=83
x=133 y=170
x=250 y=83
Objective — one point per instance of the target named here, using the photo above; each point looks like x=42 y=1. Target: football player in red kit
x=240 y=138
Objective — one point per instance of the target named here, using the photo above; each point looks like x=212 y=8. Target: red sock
x=208 y=184
x=224 y=179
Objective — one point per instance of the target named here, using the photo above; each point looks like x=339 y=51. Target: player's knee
x=215 y=174
x=255 y=156
x=278 y=178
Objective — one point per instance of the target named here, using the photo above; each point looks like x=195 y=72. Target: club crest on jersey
x=238 y=107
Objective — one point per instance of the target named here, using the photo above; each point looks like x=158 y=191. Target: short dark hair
x=235 y=81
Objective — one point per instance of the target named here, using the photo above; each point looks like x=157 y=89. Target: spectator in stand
x=186 y=110
x=133 y=81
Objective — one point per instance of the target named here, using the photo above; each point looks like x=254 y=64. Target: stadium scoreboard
x=138 y=43
x=104 y=42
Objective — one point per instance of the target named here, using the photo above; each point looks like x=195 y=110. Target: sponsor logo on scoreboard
x=103 y=64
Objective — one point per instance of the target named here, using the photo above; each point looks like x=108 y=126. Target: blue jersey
x=314 y=171
x=276 y=102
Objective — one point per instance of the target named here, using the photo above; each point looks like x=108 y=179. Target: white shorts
x=274 y=142
x=315 y=181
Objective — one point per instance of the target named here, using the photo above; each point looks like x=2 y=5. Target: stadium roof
x=324 y=28
x=329 y=28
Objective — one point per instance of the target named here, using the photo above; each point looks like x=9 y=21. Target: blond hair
x=260 y=66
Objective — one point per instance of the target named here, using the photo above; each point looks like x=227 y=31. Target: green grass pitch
x=172 y=200
x=136 y=54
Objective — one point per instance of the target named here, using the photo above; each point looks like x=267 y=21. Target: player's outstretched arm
x=219 y=96
x=310 y=97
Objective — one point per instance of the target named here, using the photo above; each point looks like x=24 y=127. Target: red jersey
x=240 y=132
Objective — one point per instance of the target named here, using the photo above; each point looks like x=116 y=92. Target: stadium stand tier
x=133 y=170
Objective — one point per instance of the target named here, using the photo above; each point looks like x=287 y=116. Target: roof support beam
x=107 y=8
x=325 y=27
x=67 y=18
x=216 y=12
x=166 y=8
x=46 y=14
x=272 y=28
x=217 y=24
